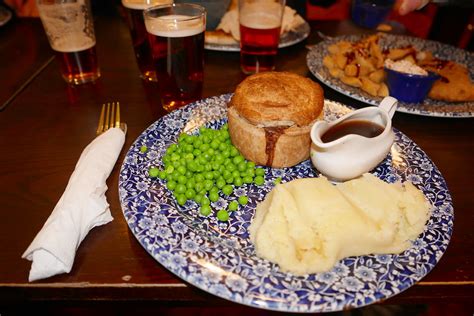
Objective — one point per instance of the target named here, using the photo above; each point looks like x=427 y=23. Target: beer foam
x=143 y=4
x=73 y=43
x=175 y=26
x=68 y=26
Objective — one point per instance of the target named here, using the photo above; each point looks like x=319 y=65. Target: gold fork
x=112 y=117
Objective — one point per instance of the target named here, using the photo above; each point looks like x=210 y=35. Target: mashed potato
x=307 y=225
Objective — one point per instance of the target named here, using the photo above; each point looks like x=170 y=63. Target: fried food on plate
x=360 y=64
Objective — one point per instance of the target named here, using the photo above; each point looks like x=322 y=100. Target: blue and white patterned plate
x=429 y=107
x=219 y=258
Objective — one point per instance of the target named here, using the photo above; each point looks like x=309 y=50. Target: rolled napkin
x=82 y=207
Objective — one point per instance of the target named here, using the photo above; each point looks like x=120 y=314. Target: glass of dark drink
x=260 y=24
x=176 y=38
x=70 y=30
x=134 y=10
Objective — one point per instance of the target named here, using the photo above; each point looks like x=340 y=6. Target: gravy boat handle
x=389 y=104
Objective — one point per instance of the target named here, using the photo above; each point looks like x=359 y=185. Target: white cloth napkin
x=82 y=206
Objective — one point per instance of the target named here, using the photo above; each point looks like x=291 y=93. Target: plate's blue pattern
x=429 y=107
x=219 y=258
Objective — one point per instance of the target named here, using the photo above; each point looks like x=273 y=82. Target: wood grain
x=45 y=128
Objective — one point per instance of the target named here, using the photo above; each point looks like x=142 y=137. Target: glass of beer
x=260 y=24
x=176 y=37
x=134 y=10
x=70 y=30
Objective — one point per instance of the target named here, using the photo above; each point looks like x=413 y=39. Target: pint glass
x=176 y=36
x=134 y=10
x=260 y=23
x=70 y=30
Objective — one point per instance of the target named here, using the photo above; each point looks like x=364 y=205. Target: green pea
x=223 y=215
x=259 y=180
x=182 y=179
x=222 y=146
x=205 y=201
x=215 y=144
x=181 y=198
x=162 y=174
x=180 y=188
x=233 y=206
x=191 y=183
x=190 y=193
x=243 y=200
x=214 y=190
x=205 y=210
x=235 y=173
x=227 y=174
x=238 y=181
x=227 y=189
x=250 y=165
x=242 y=166
x=220 y=183
x=169 y=169
x=234 y=151
x=199 y=177
x=208 y=184
x=213 y=196
x=153 y=172
x=238 y=159
x=277 y=181
x=209 y=175
x=171 y=185
x=247 y=179
x=143 y=149
x=198 y=198
x=260 y=171
x=181 y=169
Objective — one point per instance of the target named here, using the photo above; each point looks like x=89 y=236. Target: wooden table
x=46 y=126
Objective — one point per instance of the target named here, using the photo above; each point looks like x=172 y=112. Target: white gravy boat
x=352 y=155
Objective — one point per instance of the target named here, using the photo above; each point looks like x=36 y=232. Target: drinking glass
x=260 y=24
x=176 y=38
x=70 y=30
x=134 y=10
x=370 y=13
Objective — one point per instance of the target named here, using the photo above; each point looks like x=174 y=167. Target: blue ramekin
x=409 y=88
x=370 y=13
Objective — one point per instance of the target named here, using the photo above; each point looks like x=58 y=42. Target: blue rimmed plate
x=219 y=258
x=429 y=107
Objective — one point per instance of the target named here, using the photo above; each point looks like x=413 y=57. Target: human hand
x=406 y=6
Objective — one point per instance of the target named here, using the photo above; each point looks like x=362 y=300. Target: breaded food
x=454 y=85
x=270 y=117
x=360 y=64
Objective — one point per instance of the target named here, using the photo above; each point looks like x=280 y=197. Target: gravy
x=357 y=127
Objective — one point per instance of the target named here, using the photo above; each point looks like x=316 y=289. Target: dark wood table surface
x=45 y=127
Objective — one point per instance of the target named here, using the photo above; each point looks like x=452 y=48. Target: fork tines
x=112 y=117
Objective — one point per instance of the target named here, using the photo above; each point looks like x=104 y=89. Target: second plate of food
x=407 y=47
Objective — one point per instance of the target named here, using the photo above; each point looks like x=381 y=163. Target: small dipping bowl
x=352 y=155
x=408 y=87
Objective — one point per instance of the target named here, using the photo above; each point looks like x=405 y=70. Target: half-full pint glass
x=260 y=23
x=70 y=31
x=134 y=10
x=176 y=36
